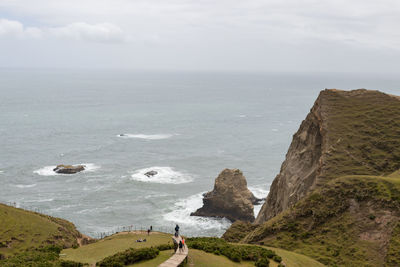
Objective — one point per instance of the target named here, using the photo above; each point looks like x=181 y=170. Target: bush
x=262 y=263
x=236 y=253
x=129 y=256
x=277 y=258
x=71 y=264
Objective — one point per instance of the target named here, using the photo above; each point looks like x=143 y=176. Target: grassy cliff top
x=22 y=230
x=362 y=133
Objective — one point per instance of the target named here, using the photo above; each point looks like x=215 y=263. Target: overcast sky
x=222 y=35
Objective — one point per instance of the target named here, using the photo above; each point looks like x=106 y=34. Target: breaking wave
x=25 y=185
x=259 y=192
x=146 y=136
x=181 y=216
x=165 y=175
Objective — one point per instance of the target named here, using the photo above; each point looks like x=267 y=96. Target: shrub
x=277 y=258
x=129 y=256
x=233 y=252
x=71 y=264
x=262 y=263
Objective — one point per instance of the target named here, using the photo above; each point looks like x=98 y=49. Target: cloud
x=80 y=31
x=104 y=32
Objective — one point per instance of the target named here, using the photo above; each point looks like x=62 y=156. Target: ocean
x=187 y=126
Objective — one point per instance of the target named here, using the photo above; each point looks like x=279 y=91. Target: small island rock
x=69 y=169
x=230 y=198
x=151 y=173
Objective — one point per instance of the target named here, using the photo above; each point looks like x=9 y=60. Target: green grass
x=108 y=246
x=22 y=230
x=200 y=258
x=164 y=255
x=292 y=259
x=327 y=224
x=362 y=133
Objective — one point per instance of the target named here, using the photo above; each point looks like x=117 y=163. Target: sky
x=202 y=35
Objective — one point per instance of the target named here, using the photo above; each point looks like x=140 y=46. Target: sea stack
x=230 y=198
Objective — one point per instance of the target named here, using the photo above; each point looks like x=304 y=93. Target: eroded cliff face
x=230 y=198
x=345 y=133
x=302 y=166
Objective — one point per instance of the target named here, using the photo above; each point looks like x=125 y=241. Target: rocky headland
x=337 y=196
x=230 y=198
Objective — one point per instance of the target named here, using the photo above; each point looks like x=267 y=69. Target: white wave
x=146 y=136
x=25 y=185
x=40 y=200
x=259 y=192
x=48 y=170
x=165 y=175
x=181 y=215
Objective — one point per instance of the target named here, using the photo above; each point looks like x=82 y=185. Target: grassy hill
x=22 y=230
x=33 y=239
x=351 y=221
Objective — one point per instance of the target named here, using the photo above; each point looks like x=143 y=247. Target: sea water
x=121 y=124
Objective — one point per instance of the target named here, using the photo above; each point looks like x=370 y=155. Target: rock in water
x=230 y=198
x=151 y=173
x=69 y=169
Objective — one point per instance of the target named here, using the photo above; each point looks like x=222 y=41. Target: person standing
x=176 y=230
x=183 y=243
x=148 y=231
x=180 y=246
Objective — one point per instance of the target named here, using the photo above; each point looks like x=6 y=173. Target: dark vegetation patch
x=131 y=256
x=237 y=253
x=43 y=257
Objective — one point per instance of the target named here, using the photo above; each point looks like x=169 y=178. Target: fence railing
x=99 y=235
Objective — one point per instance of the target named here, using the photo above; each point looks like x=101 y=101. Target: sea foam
x=165 y=175
x=25 y=185
x=48 y=170
x=181 y=216
x=146 y=136
x=259 y=192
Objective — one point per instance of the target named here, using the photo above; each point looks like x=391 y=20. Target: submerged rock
x=151 y=173
x=69 y=169
x=230 y=198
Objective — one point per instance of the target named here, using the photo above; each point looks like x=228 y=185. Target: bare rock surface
x=69 y=169
x=230 y=198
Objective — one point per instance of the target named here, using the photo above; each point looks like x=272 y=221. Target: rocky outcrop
x=230 y=198
x=69 y=169
x=345 y=133
x=151 y=173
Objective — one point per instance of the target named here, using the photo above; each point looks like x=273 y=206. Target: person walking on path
x=176 y=230
x=148 y=231
x=151 y=228
x=180 y=246
x=183 y=243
